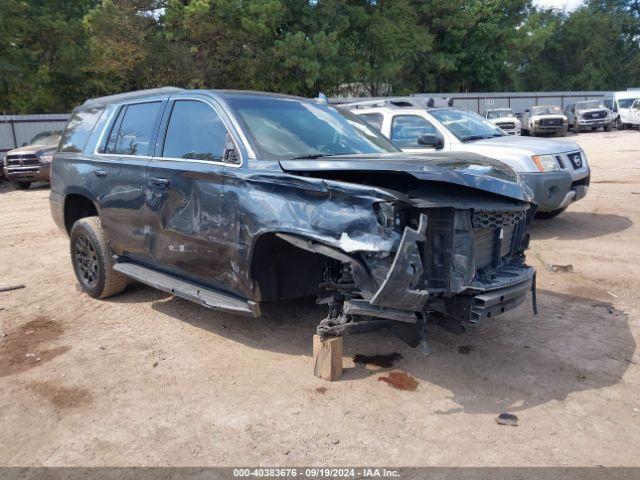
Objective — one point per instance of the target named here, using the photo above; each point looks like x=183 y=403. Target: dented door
x=185 y=192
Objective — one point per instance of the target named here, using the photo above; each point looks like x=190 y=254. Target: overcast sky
x=561 y=4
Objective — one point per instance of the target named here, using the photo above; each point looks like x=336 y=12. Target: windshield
x=626 y=102
x=591 y=104
x=465 y=125
x=290 y=128
x=547 y=110
x=46 y=138
x=499 y=114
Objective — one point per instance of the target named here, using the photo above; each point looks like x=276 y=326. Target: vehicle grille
x=506 y=125
x=19 y=160
x=594 y=115
x=493 y=231
x=551 y=122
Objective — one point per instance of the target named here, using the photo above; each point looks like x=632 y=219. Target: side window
x=195 y=130
x=405 y=130
x=133 y=128
x=373 y=119
x=78 y=129
x=609 y=104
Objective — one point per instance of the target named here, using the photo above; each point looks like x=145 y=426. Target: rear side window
x=78 y=129
x=131 y=132
x=406 y=129
x=196 y=131
x=373 y=119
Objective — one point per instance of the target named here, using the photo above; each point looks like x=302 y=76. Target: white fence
x=15 y=130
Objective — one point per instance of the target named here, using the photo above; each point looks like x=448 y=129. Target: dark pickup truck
x=231 y=199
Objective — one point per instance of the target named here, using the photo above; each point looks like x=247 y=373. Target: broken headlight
x=386 y=214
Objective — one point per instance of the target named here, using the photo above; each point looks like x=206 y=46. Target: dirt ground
x=147 y=379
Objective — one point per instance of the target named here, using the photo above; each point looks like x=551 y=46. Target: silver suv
x=556 y=170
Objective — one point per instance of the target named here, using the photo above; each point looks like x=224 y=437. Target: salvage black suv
x=231 y=199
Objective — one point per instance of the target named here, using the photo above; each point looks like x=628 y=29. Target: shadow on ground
x=579 y=226
x=516 y=361
x=5 y=186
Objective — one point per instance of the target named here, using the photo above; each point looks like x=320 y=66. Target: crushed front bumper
x=399 y=299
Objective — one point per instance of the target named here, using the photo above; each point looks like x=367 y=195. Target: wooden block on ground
x=327 y=357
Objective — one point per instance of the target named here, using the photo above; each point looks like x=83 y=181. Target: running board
x=189 y=291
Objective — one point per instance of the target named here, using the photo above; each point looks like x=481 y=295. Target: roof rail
x=415 y=102
x=129 y=95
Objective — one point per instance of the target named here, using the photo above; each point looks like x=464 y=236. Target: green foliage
x=56 y=53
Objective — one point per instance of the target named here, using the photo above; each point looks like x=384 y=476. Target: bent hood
x=527 y=146
x=460 y=168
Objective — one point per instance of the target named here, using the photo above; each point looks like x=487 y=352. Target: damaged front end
x=455 y=263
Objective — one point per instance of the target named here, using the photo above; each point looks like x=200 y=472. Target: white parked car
x=556 y=170
x=620 y=104
x=542 y=119
x=505 y=119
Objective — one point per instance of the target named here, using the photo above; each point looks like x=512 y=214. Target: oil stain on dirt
x=400 y=381
x=382 y=361
x=61 y=397
x=24 y=347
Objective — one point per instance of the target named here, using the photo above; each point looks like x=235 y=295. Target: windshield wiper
x=313 y=156
x=474 y=137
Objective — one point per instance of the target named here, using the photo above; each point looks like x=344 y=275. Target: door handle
x=159 y=182
x=100 y=172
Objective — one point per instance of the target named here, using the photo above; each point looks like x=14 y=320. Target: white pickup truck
x=556 y=170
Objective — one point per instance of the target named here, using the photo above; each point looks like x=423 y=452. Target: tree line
x=56 y=53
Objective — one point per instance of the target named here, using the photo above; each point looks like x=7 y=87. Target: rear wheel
x=551 y=214
x=92 y=260
x=21 y=185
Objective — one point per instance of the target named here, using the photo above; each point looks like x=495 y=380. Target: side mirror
x=430 y=141
x=230 y=152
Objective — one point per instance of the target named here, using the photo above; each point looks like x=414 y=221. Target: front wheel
x=21 y=185
x=619 y=124
x=551 y=214
x=92 y=260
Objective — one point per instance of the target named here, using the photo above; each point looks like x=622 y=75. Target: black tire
x=92 y=260
x=524 y=132
x=607 y=127
x=21 y=185
x=619 y=124
x=551 y=214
